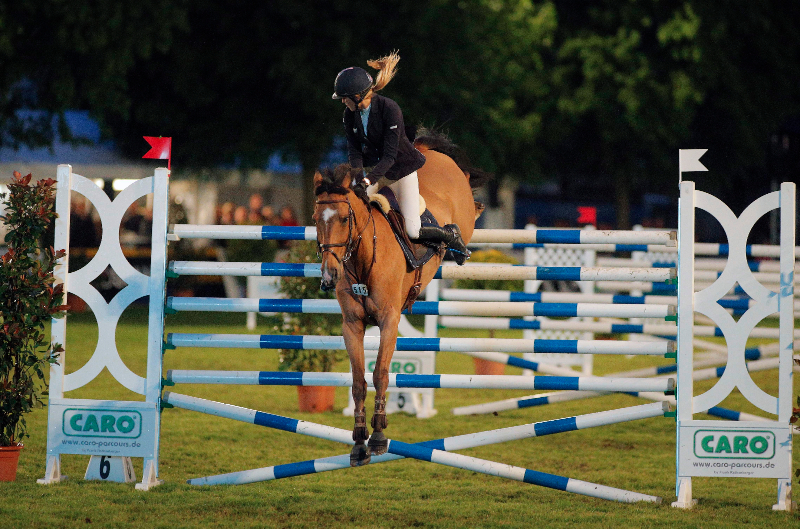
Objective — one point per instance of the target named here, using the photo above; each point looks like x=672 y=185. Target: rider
x=376 y=138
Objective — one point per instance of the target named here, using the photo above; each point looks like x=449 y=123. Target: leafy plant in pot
x=487 y=367
x=28 y=300
x=312 y=398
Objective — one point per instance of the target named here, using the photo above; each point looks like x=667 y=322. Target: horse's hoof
x=378 y=443
x=359 y=456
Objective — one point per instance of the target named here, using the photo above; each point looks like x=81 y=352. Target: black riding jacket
x=385 y=147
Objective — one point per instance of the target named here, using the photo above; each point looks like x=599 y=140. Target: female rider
x=376 y=139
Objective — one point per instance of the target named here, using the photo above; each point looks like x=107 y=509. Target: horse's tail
x=437 y=141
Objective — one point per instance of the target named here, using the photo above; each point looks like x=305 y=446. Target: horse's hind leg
x=378 y=443
x=353 y=332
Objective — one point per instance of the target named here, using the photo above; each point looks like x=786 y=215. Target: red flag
x=587 y=215
x=160 y=148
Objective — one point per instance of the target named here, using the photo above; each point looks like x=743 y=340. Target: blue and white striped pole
x=474 y=294
x=443 y=308
x=543 y=399
x=213 y=268
x=700 y=264
x=656 y=329
x=599 y=240
x=252 y=233
x=399 y=380
x=472 y=322
x=557 y=236
x=433 y=451
x=372 y=343
x=473 y=271
x=658 y=289
x=704 y=249
x=518 y=473
x=553 y=273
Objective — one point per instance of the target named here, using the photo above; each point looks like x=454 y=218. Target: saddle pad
x=417 y=254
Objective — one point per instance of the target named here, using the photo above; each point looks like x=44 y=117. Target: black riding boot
x=451 y=236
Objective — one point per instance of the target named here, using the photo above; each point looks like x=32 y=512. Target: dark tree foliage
x=635 y=81
x=63 y=54
x=597 y=94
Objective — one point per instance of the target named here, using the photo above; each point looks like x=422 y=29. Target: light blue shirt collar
x=365 y=117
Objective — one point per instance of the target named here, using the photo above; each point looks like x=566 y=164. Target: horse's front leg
x=353 y=332
x=378 y=443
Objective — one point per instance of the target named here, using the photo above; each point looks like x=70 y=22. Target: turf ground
x=636 y=456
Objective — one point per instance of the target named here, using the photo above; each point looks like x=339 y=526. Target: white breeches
x=407 y=192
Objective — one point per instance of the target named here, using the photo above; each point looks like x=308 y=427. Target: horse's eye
x=343 y=220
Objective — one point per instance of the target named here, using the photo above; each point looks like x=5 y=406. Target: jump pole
x=283 y=378
x=475 y=294
x=468 y=271
x=539 y=400
x=535 y=236
x=442 y=308
x=657 y=329
x=433 y=451
x=704 y=249
x=372 y=343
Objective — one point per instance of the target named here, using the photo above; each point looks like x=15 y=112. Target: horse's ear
x=347 y=180
x=317 y=179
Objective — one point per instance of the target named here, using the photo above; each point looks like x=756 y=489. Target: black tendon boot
x=451 y=236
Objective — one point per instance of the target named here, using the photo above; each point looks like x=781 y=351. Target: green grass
x=636 y=456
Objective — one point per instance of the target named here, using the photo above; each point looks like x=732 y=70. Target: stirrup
x=456 y=244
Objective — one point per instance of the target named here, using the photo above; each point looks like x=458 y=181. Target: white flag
x=689 y=160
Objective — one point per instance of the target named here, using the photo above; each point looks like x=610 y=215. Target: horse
x=359 y=249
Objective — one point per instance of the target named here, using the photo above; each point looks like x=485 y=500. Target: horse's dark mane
x=332 y=180
x=439 y=142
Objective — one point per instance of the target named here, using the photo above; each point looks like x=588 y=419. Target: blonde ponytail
x=387 y=67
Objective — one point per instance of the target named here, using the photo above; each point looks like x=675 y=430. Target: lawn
x=637 y=456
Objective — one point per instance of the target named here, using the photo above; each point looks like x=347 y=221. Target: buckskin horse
x=359 y=248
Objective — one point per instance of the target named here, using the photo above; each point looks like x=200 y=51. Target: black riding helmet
x=351 y=82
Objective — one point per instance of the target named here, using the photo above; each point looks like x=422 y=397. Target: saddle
x=416 y=253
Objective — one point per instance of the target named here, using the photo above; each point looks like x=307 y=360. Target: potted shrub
x=28 y=300
x=312 y=398
x=487 y=367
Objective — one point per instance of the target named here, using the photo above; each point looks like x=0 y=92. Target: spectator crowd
x=255 y=213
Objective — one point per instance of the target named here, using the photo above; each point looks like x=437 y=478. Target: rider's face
x=349 y=104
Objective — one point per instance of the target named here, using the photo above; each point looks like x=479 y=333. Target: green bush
x=299 y=324
x=28 y=300
x=490 y=256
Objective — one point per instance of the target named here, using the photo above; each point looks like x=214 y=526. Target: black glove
x=360 y=189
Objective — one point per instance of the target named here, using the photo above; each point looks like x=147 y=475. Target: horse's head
x=335 y=220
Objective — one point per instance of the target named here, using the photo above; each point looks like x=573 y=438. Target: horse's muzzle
x=329 y=278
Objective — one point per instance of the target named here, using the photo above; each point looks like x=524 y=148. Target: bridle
x=352 y=243
x=349 y=245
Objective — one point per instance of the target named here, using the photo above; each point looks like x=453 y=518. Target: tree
x=634 y=81
x=750 y=78
x=249 y=78
x=623 y=92
x=59 y=54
